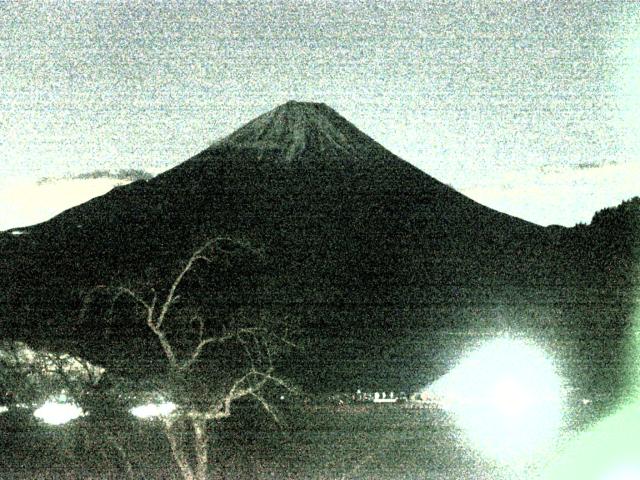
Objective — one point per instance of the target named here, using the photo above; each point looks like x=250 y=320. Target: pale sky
x=529 y=107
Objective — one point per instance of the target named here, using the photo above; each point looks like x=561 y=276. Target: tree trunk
x=123 y=455
x=201 y=448
x=177 y=451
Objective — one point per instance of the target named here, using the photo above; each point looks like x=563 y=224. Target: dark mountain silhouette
x=390 y=271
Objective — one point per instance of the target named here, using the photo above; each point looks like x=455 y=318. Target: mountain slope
x=378 y=259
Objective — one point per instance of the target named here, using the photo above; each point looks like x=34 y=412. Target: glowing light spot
x=152 y=410
x=608 y=451
x=623 y=472
x=506 y=396
x=55 y=413
x=3 y=409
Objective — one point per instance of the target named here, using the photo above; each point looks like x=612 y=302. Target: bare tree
x=256 y=338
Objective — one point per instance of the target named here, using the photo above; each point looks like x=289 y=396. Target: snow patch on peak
x=296 y=126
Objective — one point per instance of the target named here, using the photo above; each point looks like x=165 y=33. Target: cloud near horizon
x=127 y=175
x=560 y=196
x=27 y=201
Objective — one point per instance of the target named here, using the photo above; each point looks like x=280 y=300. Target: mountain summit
x=296 y=126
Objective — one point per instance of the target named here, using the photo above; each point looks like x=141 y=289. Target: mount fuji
x=382 y=263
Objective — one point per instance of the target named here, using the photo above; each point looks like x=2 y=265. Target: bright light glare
x=507 y=398
x=151 y=410
x=55 y=413
x=624 y=472
x=608 y=451
x=3 y=409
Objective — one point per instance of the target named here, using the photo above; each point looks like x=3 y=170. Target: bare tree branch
x=171 y=296
x=235 y=392
x=121 y=291
x=164 y=342
x=113 y=441
x=256 y=381
x=270 y=409
x=269 y=377
x=203 y=342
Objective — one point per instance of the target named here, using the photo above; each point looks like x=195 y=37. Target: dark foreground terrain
x=364 y=441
